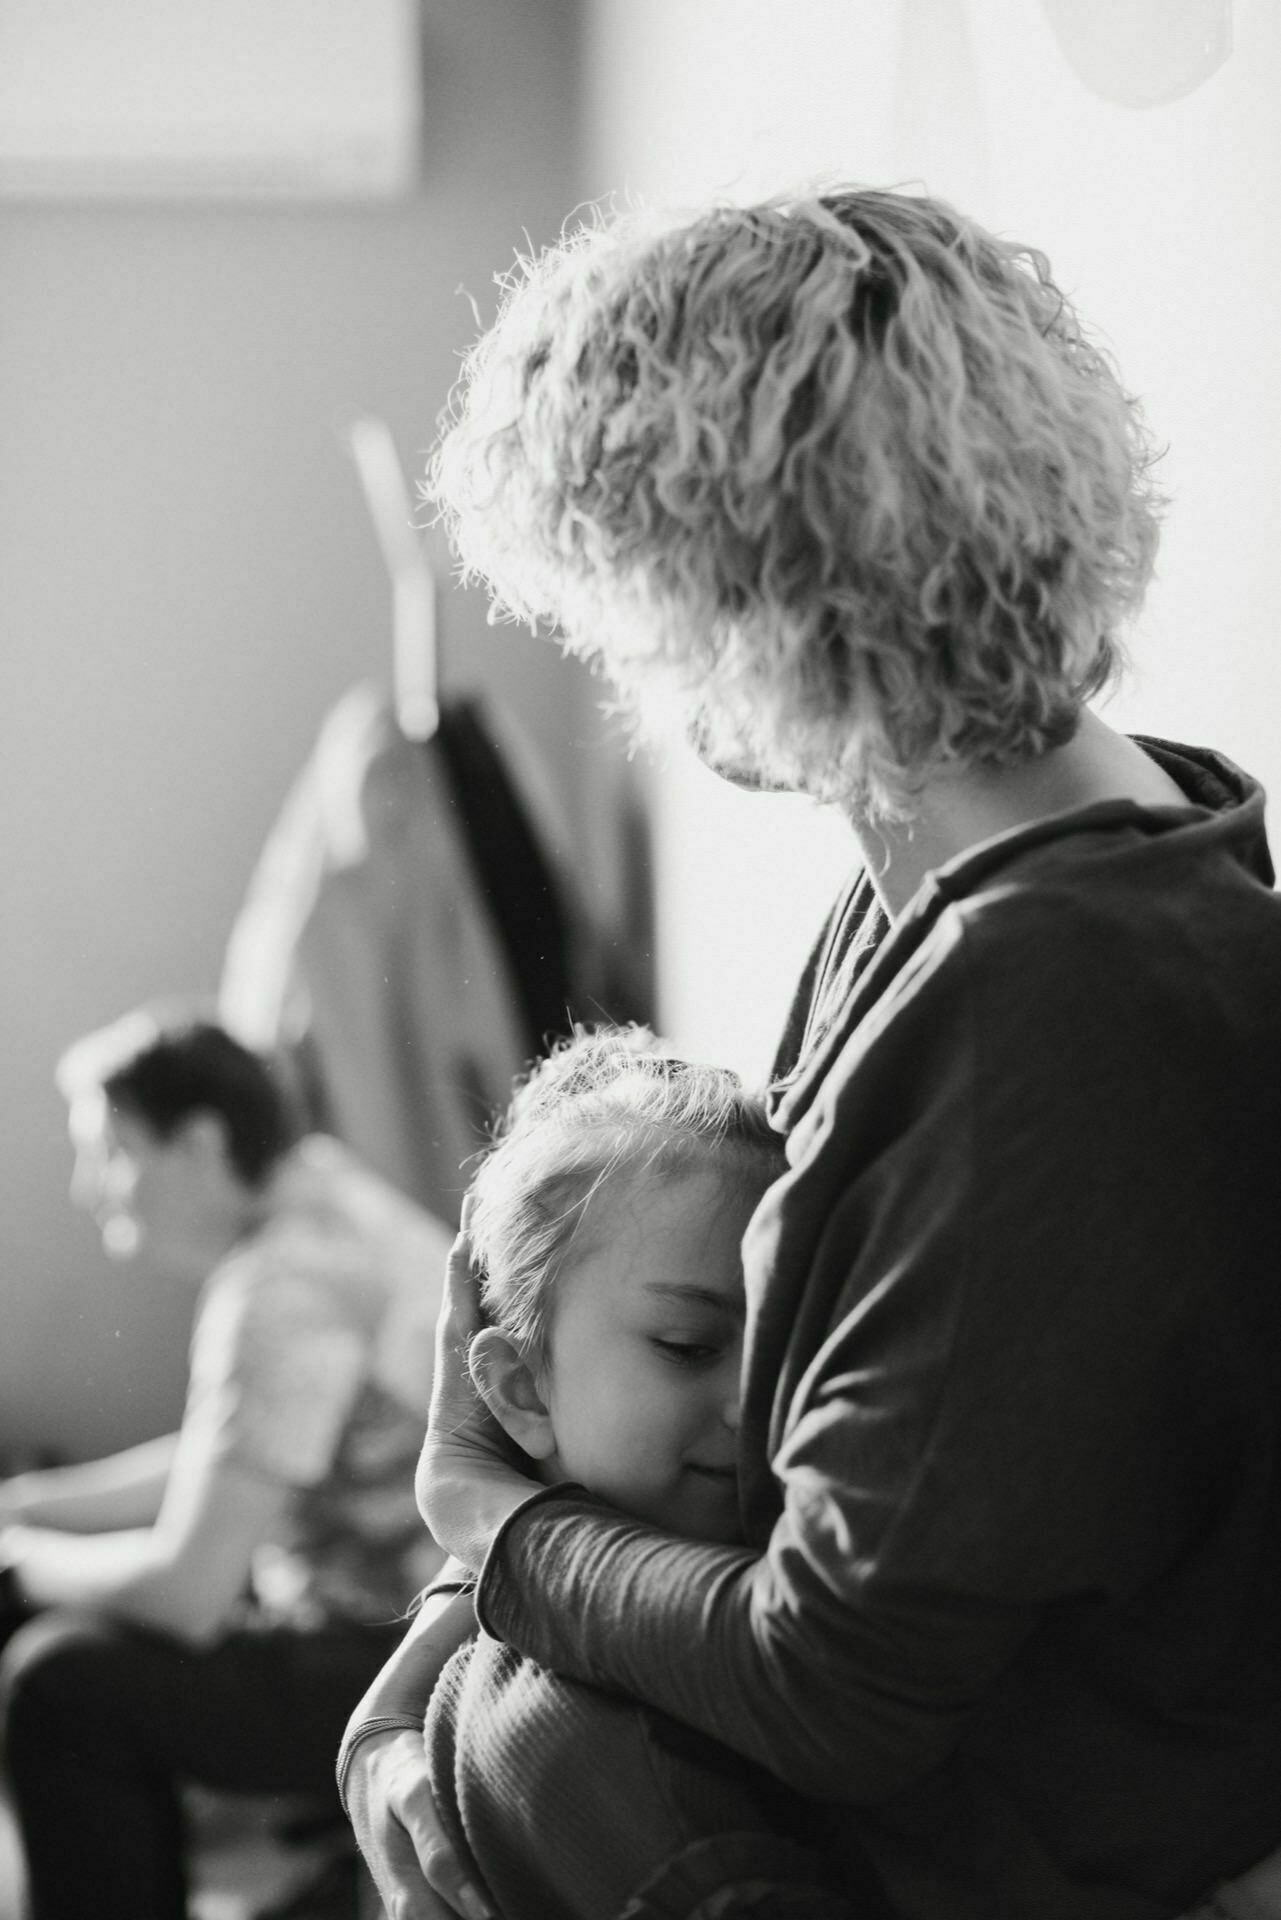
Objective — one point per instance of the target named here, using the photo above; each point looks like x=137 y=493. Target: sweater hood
x=1224 y=814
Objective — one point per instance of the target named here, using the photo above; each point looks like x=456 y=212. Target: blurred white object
x=937 y=130
x=1142 y=53
x=413 y=588
x=312 y=99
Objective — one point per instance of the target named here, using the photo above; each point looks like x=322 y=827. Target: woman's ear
x=505 y=1381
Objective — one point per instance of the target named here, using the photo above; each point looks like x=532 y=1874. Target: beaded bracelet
x=365 y=1730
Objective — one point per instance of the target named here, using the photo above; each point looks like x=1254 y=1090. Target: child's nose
x=730 y=1413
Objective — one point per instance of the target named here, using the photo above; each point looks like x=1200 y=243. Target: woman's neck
x=961 y=808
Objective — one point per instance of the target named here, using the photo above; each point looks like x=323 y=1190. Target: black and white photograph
x=641 y=990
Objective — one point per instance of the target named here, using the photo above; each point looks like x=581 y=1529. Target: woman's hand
x=467 y=1481
x=394 y=1818
x=385 y=1777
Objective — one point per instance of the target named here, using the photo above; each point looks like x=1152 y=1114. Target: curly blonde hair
x=607 y=1104
x=844 y=477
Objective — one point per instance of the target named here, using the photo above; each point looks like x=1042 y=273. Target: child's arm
x=383 y=1778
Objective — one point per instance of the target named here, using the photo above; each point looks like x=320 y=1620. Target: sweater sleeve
x=962 y=1258
x=723 y=1643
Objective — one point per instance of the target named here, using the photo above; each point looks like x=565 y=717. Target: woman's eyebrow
x=702 y=1296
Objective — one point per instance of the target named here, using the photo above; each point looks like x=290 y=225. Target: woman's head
x=606 y=1226
x=842 y=477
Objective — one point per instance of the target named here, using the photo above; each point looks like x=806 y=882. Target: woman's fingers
x=455 y=1404
x=467 y=1478
x=398 y=1829
x=462 y=1290
x=444 y=1874
x=373 y=1789
x=404 y=1893
x=441 y=1868
x=453 y=1395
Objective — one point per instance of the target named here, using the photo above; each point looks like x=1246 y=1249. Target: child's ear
x=505 y=1381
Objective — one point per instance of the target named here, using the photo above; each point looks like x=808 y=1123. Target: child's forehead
x=640 y=1183
x=692 y=1204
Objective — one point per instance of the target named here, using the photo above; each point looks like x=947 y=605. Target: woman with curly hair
x=843 y=486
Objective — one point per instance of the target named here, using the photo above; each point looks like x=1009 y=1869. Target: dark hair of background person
x=196 y=1067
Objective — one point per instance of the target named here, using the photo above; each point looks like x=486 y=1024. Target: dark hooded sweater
x=1012 y=1426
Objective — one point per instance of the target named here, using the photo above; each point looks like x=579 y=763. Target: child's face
x=641 y=1374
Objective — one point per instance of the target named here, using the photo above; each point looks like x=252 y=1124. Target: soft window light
x=225 y=98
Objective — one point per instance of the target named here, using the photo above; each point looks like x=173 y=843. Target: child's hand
x=467 y=1481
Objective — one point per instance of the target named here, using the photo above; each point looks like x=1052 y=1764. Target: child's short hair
x=604 y=1103
x=844 y=476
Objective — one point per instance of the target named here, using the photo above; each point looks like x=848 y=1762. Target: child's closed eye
x=687 y=1352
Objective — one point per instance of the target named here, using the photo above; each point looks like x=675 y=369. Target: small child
x=605 y=1227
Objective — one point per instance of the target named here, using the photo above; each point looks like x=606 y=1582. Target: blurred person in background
x=203 y=1608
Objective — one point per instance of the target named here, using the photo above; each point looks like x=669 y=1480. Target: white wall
x=189 y=580
x=1160 y=221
